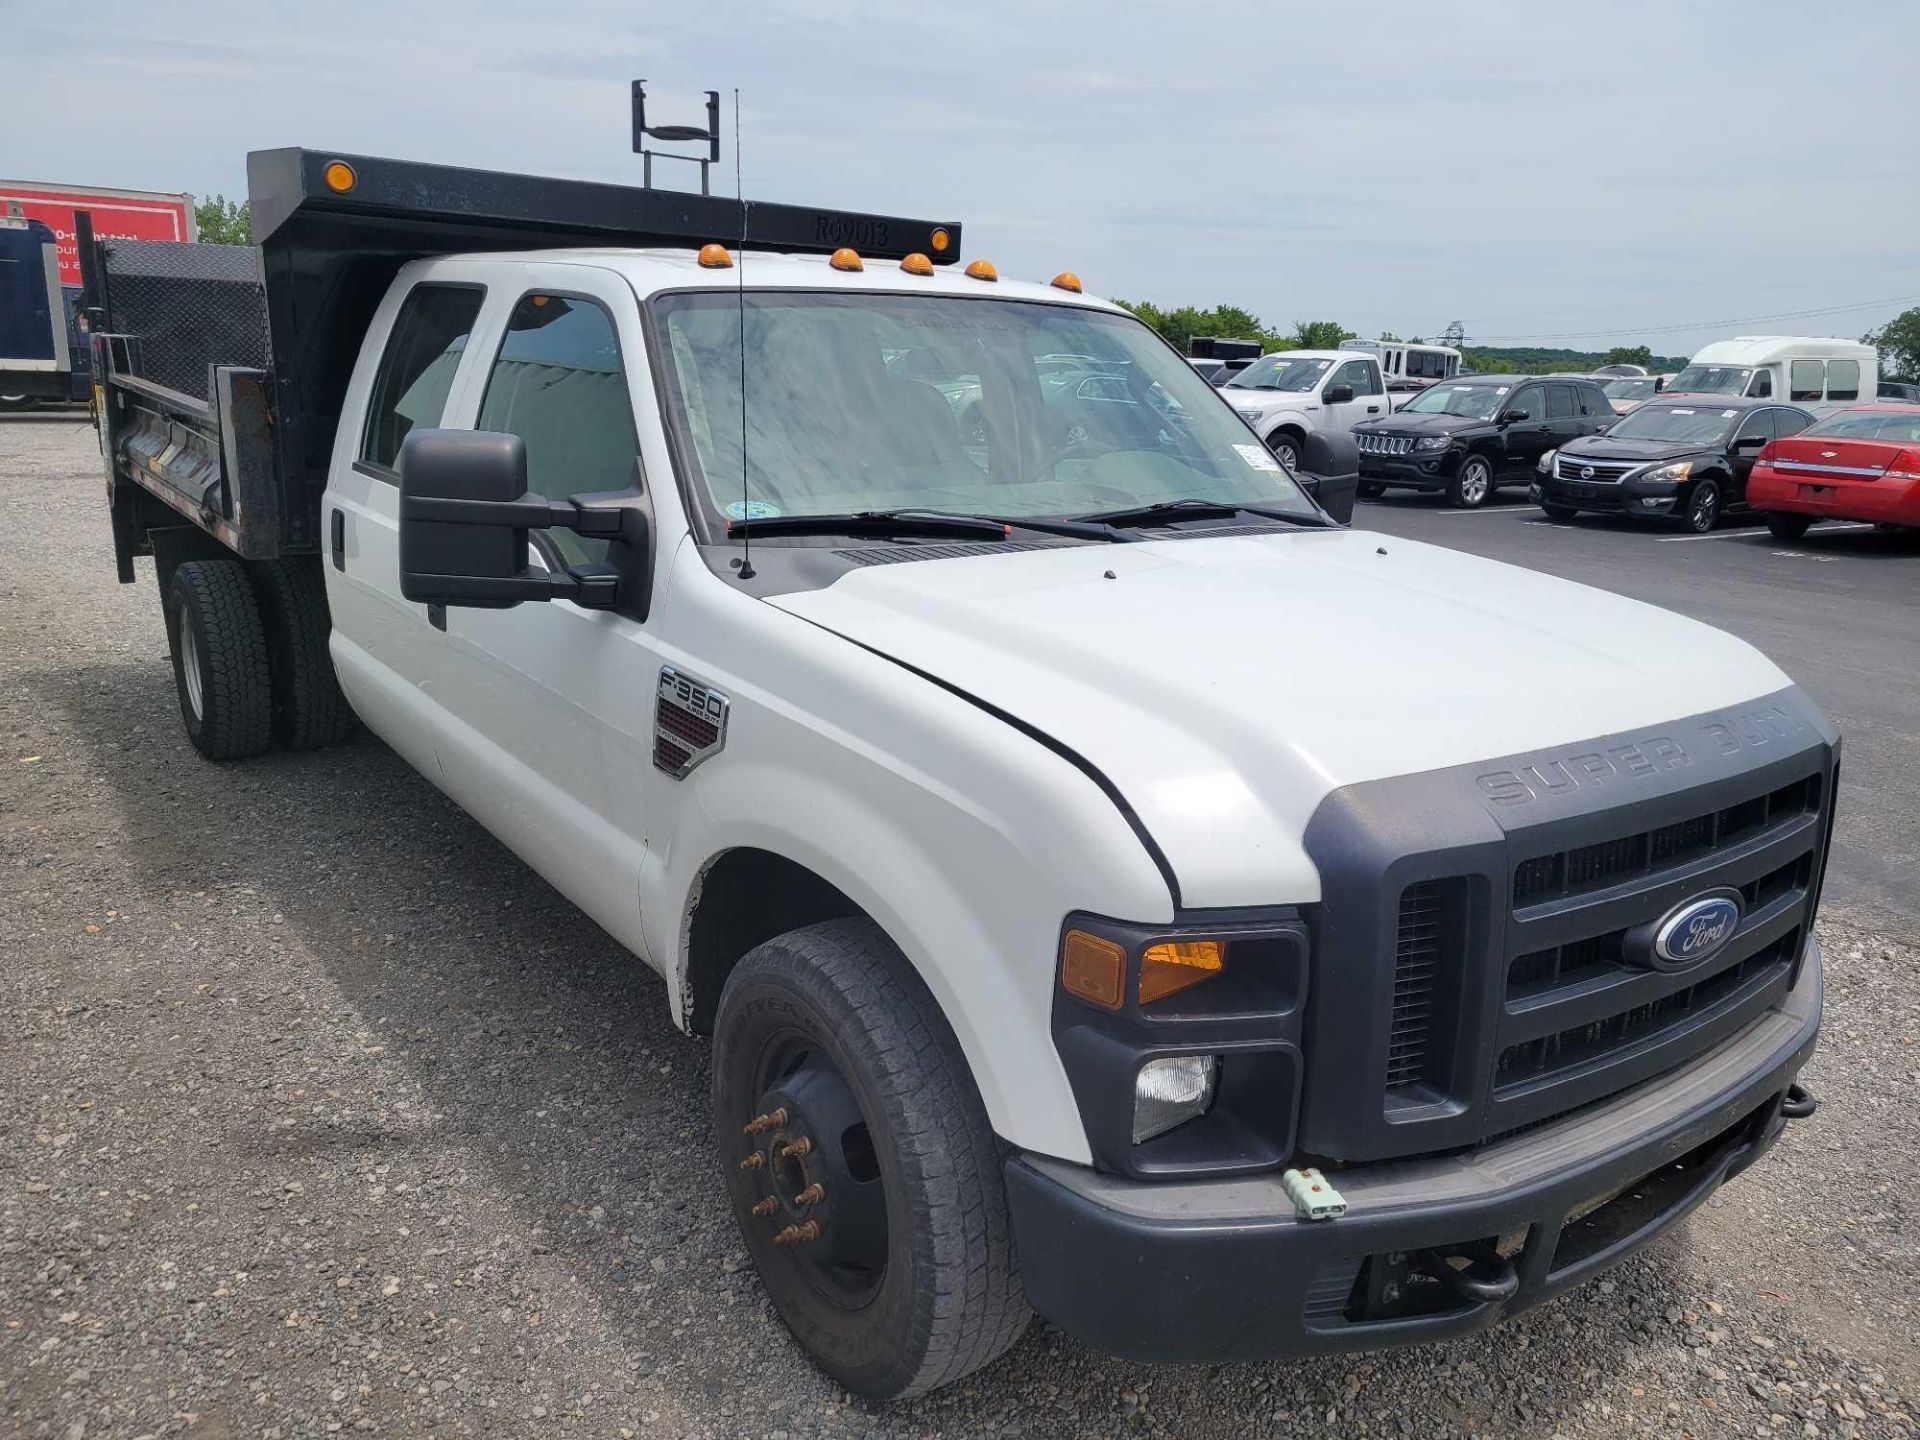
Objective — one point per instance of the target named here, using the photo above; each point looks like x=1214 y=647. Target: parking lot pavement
x=1839 y=611
x=320 y=1112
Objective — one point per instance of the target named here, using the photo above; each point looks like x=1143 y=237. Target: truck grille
x=1383 y=444
x=1415 y=952
x=1579 y=467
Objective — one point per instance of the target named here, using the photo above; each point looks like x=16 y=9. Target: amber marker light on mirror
x=715 y=257
x=1067 y=280
x=917 y=264
x=845 y=259
x=1094 y=969
x=983 y=270
x=339 y=176
x=1176 y=965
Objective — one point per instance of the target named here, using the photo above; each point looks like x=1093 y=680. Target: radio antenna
x=740 y=294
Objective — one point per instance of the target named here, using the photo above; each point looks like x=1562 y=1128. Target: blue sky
x=1586 y=175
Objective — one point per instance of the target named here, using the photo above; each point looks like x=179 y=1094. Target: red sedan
x=1860 y=464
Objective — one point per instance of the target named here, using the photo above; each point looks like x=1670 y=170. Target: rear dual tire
x=909 y=1281
x=250 y=658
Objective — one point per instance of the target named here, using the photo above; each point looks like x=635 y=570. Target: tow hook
x=1488 y=1279
x=1798 y=1103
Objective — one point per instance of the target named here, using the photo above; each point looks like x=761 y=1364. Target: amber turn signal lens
x=1093 y=969
x=940 y=239
x=339 y=176
x=1067 y=280
x=983 y=270
x=715 y=257
x=845 y=259
x=917 y=264
x=1175 y=965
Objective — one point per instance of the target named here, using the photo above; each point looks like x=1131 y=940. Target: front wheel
x=1703 y=506
x=1472 y=483
x=1370 y=490
x=1787 y=527
x=861 y=1168
x=1286 y=449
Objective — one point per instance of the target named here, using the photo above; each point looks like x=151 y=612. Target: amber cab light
x=715 y=257
x=917 y=264
x=940 y=240
x=1067 y=280
x=1176 y=965
x=1094 y=969
x=339 y=176
x=845 y=259
x=983 y=270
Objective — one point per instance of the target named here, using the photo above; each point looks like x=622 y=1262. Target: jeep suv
x=1471 y=435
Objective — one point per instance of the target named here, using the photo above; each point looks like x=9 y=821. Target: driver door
x=1369 y=395
x=1529 y=436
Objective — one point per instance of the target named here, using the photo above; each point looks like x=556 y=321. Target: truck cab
x=1079 y=923
x=1291 y=394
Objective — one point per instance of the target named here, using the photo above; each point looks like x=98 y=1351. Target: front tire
x=1285 y=446
x=1472 y=483
x=220 y=659
x=907 y=1280
x=1787 y=527
x=1704 y=504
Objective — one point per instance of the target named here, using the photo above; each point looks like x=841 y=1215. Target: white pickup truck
x=1111 y=887
x=1291 y=394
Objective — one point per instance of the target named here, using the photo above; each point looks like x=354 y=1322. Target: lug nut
x=802 y=1146
x=812 y=1195
x=766 y=1206
x=753 y=1161
x=772 y=1120
x=798 y=1234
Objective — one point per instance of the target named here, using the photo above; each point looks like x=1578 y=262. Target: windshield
x=1900 y=426
x=1475 y=402
x=1631 y=389
x=987 y=407
x=1280 y=372
x=1682 y=424
x=1712 y=380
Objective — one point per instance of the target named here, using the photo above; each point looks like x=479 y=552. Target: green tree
x=1899 y=344
x=1320 y=335
x=1389 y=337
x=1641 y=355
x=1179 y=326
x=223 y=222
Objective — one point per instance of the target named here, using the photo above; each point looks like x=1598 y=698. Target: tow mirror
x=465 y=514
x=1338 y=394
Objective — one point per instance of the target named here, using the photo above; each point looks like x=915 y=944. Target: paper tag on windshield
x=752 y=510
x=1258 y=456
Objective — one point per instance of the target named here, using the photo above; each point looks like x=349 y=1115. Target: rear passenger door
x=1753 y=433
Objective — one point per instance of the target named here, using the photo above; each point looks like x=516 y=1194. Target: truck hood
x=1245 y=397
x=1420 y=423
x=1224 y=686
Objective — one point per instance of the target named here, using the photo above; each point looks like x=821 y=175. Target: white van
x=1409 y=366
x=1810 y=372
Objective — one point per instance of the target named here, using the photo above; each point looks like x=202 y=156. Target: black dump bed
x=223 y=367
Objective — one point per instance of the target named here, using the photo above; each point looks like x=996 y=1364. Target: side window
x=1357 y=374
x=1757 y=426
x=1528 y=401
x=557 y=384
x=1789 y=422
x=416 y=374
x=1843 y=380
x=1559 y=402
x=1761 y=386
x=1807 y=380
x=1593 y=401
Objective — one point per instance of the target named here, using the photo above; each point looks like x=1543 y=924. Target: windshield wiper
x=1191 y=508
x=902 y=524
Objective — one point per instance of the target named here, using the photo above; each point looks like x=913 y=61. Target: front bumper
x=1640 y=499
x=1416 y=470
x=1224 y=1269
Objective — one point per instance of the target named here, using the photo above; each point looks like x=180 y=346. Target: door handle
x=1373 y=409
x=339 y=539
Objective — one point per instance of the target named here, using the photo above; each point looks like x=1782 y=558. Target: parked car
x=1820 y=374
x=1216 y=371
x=1291 y=394
x=1672 y=458
x=1627 y=392
x=1861 y=464
x=1905 y=390
x=1619 y=372
x=1471 y=435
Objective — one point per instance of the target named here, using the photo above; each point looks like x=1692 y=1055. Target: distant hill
x=1537 y=360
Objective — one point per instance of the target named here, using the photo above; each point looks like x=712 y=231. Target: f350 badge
x=689 y=723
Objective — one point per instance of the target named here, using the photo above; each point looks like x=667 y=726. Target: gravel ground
x=320 y=1114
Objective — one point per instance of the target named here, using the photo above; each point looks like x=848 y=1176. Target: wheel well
x=747 y=896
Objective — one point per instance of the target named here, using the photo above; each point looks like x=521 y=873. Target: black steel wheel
x=860 y=1165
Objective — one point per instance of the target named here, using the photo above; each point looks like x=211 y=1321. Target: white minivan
x=1811 y=372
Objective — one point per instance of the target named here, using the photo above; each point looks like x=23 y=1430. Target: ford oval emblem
x=1696 y=930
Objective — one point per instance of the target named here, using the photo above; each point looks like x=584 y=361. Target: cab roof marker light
x=339 y=176
x=715 y=257
x=917 y=264
x=845 y=259
x=1066 y=280
x=982 y=270
x=941 y=241
x=1313 y=1195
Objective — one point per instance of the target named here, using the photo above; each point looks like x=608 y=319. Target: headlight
x=1433 y=442
x=1545 y=467
x=1170 y=1091
x=1668 y=474
x=1253 y=417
